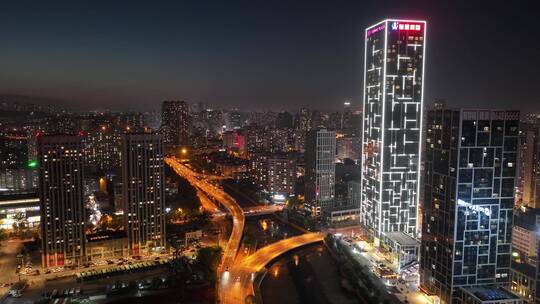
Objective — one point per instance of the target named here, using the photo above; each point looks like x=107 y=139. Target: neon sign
x=375 y=29
x=405 y=26
x=475 y=208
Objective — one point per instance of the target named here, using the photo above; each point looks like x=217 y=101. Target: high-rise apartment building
x=469 y=198
x=320 y=177
x=143 y=192
x=254 y=138
x=275 y=174
x=529 y=164
x=278 y=140
x=60 y=159
x=393 y=99
x=175 y=123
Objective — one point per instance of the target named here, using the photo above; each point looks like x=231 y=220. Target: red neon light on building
x=406 y=26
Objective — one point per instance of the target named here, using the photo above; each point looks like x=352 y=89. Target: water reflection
x=307 y=275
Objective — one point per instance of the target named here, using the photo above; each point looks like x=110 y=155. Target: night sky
x=259 y=55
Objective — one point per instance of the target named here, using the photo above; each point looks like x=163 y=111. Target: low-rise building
x=105 y=245
x=523 y=281
x=485 y=295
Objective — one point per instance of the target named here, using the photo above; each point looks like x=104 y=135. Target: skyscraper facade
x=61 y=162
x=143 y=192
x=469 y=199
x=320 y=177
x=393 y=99
x=175 y=122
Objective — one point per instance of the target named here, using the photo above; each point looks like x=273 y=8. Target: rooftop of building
x=401 y=238
x=524 y=268
x=526 y=218
x=20 y=200
x=490 y=293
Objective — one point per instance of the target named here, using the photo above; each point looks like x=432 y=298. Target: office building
x=320 y=169
x=143 y=193
x=347 y=212
x=60 y=159
x=469 y=198
x=175 y=123
x=391 y=145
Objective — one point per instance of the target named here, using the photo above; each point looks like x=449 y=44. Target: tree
x=293 y=203
x=117 y=222
x=201 y=219
x=208 y=258
x=177 y=215
x=20 y=221
x=187 y=194
x=3 y=235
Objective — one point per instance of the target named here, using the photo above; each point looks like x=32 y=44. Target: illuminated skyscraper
x=143 y=192
x=393 y=100
x=61 y=196
x=469 y=199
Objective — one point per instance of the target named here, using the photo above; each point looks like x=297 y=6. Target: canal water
x=306 y=275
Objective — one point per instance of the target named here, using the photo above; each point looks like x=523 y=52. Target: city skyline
x=284 y=56
x=305 y=152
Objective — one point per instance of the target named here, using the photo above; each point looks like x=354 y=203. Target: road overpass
x=237 y=283
x=199 y=181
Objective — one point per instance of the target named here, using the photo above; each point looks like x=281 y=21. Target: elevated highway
x=200 y=181
x=237 y=283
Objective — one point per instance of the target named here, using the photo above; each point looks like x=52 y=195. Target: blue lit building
x=469 y=198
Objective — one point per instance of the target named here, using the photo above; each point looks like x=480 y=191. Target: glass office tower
x=469 y=196
x=393 y=97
